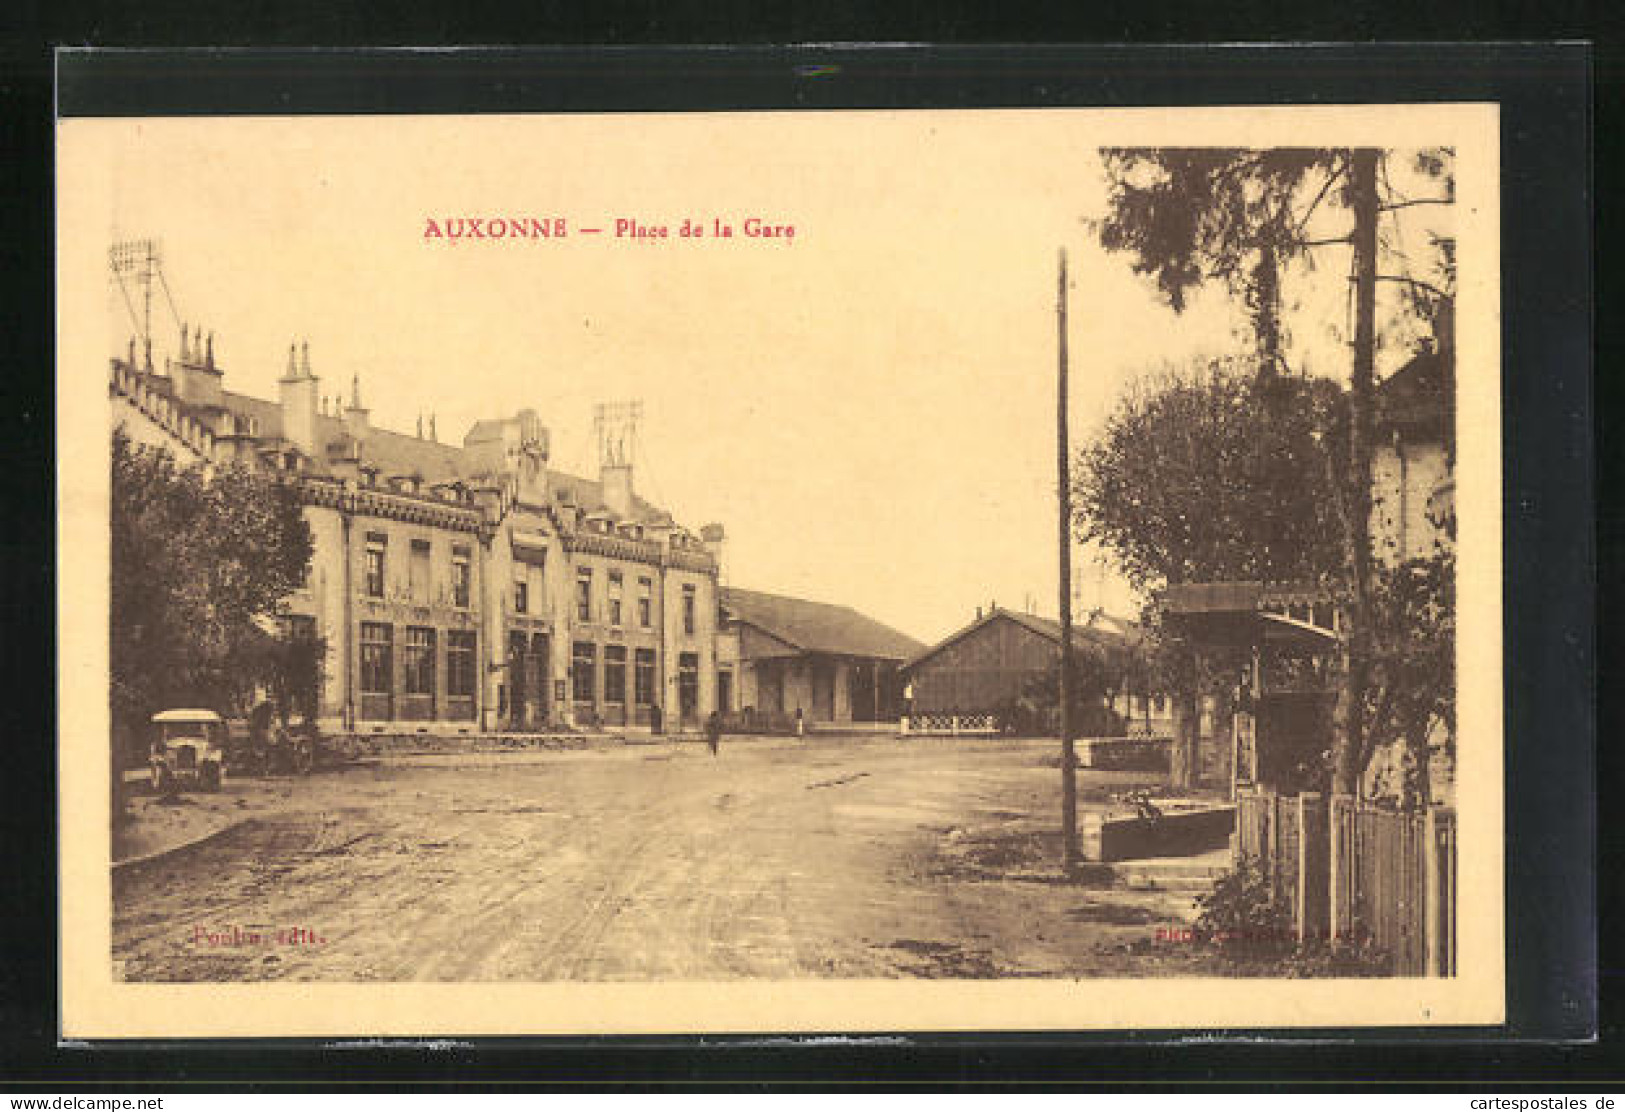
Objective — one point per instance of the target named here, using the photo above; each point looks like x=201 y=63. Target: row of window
x=584 y=674
x=419 y=660
x=419 y=585
x=615 y=599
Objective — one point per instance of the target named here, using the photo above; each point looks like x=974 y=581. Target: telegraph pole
x=1069 y=786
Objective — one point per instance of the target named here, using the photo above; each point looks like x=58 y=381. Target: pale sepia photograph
x=780 y=571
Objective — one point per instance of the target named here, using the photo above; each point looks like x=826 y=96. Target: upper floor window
x=418 y=571
x=688 y=609
x=377 y=546
x=461 y=580
x=645 y=602
x=614 y=598
x=584 y=594
x=521 y=595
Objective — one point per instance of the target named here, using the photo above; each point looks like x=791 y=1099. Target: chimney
x=615 y=467
x=298 y=396
x=196 y=378
x=355 y=416
x=714 y=535
x=617 y=481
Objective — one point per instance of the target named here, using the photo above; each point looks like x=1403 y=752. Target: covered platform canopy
x=1279 y=630
x=1300 y=617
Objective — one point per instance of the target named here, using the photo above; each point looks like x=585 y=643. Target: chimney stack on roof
x=195 y=376
x=714 y=536
x=300 y=399
x=355 y=416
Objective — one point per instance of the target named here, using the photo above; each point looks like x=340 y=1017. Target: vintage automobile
x=188 y=748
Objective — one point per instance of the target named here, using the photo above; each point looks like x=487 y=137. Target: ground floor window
x=615 y=674
x=583 y=660
x=460 y=656
x=643 y=680
x=377 y=657
x=419 y=660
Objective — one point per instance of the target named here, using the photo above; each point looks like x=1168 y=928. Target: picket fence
x=1348 y=869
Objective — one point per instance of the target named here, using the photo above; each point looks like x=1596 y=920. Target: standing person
x=713 y=732
x=654 y=719
x=801 y=724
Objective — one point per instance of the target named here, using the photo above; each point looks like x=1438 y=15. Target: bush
x=1242 y=917
x=1356 y=957
x=1241 y=914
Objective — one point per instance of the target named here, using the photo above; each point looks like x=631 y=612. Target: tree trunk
x=1355 y=655
x=1183 y=773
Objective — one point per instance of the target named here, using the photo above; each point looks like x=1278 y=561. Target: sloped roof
x=1237 y=596
x=1047 y=628
x=589 y=495
x=818 y=627
x=1421 y=393
x=396 y=453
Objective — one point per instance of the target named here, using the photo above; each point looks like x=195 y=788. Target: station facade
x=458 y=587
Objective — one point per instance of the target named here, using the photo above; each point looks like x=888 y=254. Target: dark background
x=1554 y=972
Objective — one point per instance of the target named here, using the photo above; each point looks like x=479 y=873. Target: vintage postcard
x=794 y=571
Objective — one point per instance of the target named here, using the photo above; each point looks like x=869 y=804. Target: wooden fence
x=1350 y=870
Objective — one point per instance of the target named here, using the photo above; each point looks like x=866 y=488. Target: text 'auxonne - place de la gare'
x=543 y=229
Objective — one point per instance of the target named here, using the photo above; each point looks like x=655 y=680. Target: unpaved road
x=827 y=858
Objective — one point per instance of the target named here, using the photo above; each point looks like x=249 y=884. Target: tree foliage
x=1191 y=217
x=201 y=565
x=1211 y=474
x=1101 y=670
x=1413 y=666
x=1238 y=217
x=1198 y=215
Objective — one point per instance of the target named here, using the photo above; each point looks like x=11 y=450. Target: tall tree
x=1191 y=217
x=201 y=565
x=1207 y=473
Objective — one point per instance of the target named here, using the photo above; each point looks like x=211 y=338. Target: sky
x=867 y=407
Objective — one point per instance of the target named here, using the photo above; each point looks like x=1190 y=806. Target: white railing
x=953 y=724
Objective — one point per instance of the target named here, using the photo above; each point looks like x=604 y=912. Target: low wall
x=1140 y=754
x=1105 y=837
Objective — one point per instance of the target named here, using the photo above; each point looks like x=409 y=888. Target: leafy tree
x=1211 y=473
x=1100 y=671
x=1194 y=216
x=201 y=564
x=1413 y=662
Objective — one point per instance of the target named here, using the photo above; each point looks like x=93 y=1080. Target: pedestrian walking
x=713 y=732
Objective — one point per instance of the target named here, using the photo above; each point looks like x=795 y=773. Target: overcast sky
x=867 y=408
